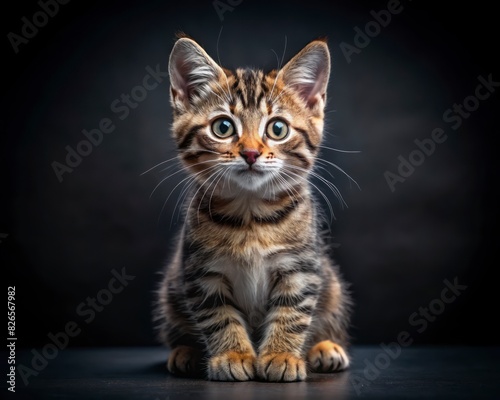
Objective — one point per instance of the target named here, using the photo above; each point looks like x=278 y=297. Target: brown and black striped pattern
x=250 y=292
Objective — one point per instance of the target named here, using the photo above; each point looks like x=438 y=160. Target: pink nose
x=250 y=156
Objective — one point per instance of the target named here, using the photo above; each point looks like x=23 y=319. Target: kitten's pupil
x=278 y=128
x=224 y=126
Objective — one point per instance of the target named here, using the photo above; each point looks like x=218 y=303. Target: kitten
x=250 y=292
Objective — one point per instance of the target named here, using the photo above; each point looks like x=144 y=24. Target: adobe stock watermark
x=419 y=320
x=87 y=310
x=30 y=28
x=223 y=6
x=121 y=107
x=454 y=116
x=363 y=37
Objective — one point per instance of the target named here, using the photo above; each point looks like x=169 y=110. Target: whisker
x=268 y=184
x=175 y=173
x=288 y=188
x=217 y=174
x=213 y=190
x=171 y=166
x=284 y=51
x=182 y=196
x=190 y=177
x=201 y=186
x=225 y=179
x=211 y=151
x=340 y=169
x=319 y=191
x=157 y=165
x=280 y=65
x=323 y=169
x=269 y=98
x=229 y=98
x=184 y=167
x=339 y=150
x=220 y=98
x=325 y=181
x=189 y=182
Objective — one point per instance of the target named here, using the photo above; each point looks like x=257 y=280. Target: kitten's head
x=247 y=129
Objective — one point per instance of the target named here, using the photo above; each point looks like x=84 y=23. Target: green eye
x=277 y=129
x=223 y=128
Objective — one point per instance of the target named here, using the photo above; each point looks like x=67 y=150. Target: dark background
x=395 y=248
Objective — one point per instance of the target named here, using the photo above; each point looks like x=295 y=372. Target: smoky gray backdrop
x=414 y=91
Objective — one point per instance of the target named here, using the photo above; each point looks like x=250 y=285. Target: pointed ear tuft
x=191 y=70
x=308 y=73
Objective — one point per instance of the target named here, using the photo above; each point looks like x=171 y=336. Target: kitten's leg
x=176 y=331
x=186 y=355
x=230 y=351
x=185 y=360
x=292 y=301
x=328 y=339
x=327 y=356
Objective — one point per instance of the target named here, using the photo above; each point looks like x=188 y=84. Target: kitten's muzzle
x=250 y=156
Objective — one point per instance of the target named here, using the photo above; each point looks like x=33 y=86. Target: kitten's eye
x=277 y=130
x=223 y=128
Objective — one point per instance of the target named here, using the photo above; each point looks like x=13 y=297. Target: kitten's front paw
x=281 y=367
x=327 y=356
x=231 y=366
x=184 y=360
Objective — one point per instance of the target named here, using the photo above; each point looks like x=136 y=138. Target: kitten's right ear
x=191 y=70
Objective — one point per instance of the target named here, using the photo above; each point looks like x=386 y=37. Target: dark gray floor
x=139 y=373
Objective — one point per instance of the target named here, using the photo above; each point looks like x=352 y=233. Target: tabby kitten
x=250 y=292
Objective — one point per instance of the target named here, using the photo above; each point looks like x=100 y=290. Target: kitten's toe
x=231 y=366
x=281 y=367
x=184 y=360
x=327 y=356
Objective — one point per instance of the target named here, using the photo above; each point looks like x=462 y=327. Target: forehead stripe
x=240 y=95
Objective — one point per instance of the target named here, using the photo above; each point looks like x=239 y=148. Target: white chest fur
x=250 y=287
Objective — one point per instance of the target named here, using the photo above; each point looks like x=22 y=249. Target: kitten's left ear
x=308 y=73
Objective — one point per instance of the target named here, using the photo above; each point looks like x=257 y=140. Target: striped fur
x=250 y=292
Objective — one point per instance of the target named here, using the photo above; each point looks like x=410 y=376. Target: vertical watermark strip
x=11 y=338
